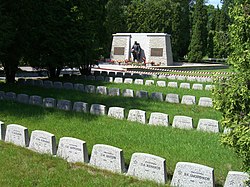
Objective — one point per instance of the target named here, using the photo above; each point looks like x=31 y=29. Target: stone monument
x=155 y=47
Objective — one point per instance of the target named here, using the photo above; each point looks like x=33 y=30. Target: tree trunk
x=54 y=72
x=10 y=73
x=85 y=69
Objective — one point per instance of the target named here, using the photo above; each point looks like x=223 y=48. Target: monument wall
x=156 y=47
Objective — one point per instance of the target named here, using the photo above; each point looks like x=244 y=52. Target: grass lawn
x=172 y=144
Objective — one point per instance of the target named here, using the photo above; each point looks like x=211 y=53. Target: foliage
x=232 y=95
x=198 y=44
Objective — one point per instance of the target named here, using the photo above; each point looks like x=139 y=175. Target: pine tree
x=198 y=44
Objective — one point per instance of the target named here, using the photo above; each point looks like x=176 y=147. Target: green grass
x=194 y=111
x=22 y=167
x=172 y=144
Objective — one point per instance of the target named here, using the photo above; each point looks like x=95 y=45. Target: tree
x=50 y=34
x=180 y=29
x=13 y=27
x=231 y=96
x=198 y=44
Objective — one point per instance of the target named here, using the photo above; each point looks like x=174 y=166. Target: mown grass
x=22 y=167
x=172 y=144
x=194 y=111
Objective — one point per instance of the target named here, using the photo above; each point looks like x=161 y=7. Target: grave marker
x=142 y=94
x=185 y=85
x=162 y=77
x=149 y=82
x=114 y=91
x=108 y=157
x=23 y=98
x=208 y=125
x=17 y=135
x=101 y=90
x=148 y=167
x=172 y=98
x=79 y=87
x=99 y=78
x=236 y=179
x=2 y=95
x=161 y=83
x=188 y=100
x=58 y=85
x=191 y=174
x=209 y=87
x=181 y=78
x=73 y=150
x=64 y=105
x=205 y=101
x=183 y=122
x=2 y=131
x=137 y=116
x=43 y=142
x=11 y=96
x=116 y=112
x=138 y=81
x=109 y=79
x=98 y=109
x=80 y=107
x=157 y=96
x=47 y=84
x=157 y=118
x=49 y=102
x=173 y=84
x=38 y=82
x=118 y=80
x=36 y=100
x=128 y=81
x=128 y=93
x=90 y=89
x=197 y=87
x=68 y=86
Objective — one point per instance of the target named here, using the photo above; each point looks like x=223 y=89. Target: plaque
x=156 y=51
x=118 y=50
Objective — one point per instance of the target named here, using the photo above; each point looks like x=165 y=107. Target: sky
x=214 y=2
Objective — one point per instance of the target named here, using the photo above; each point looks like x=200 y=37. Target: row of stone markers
x=142 y=165
x=156 y=118
x=160 y=83
x=171 y=98
x=138 y=74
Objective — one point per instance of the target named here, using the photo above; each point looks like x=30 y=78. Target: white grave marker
x=43 y=142
x=107 y=157
x=173 y=84
x=172 y=98
x=161 y=83
x=208 y=125
x=73 y=150
x=205 y=101
x=148 y=167
x=157 y=118
x=98 y=109
x=236 y=179
x=137 y=115
x=191 y=174
x=183 y=122
x=188 y=100
x=116 y=112
x=17 y=135
x=128 y=93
